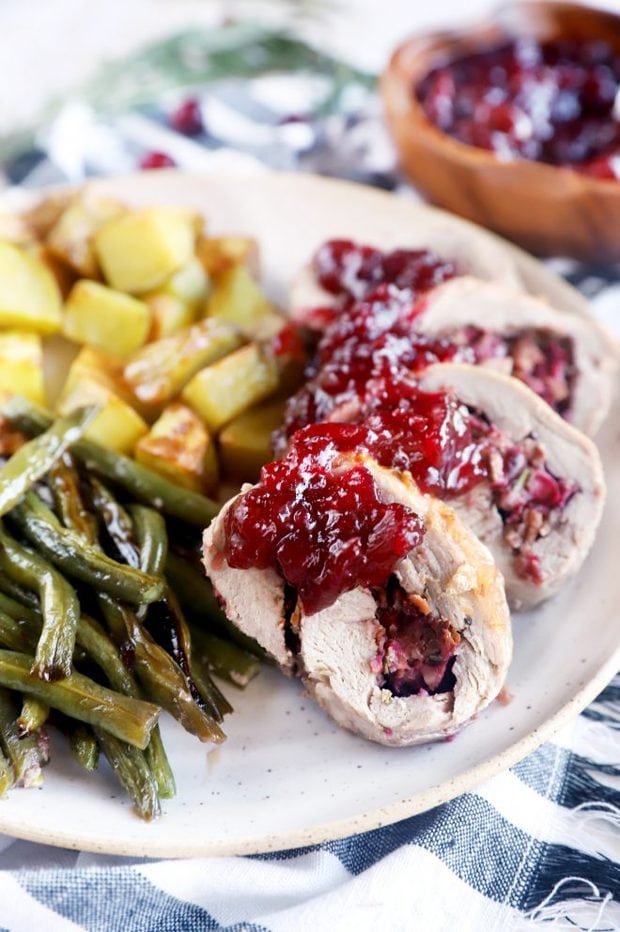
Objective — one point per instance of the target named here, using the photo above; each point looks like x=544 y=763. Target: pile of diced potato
x=174 y=333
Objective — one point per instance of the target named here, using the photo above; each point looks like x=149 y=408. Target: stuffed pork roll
x=378 y=596
x=568 y=360
x=528 y=484
x=360 y=304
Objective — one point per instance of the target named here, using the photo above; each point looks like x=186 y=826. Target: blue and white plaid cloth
x=537 y=846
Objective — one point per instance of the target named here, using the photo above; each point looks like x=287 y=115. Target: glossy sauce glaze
x=320 y=523
x=351 y=272
x=552 y=102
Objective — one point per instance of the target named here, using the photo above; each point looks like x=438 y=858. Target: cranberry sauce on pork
x=350 y=271
x=320 y=523
x=450 y=449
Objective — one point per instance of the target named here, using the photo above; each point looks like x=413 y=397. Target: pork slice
x=515 y=409
x=467 y=301
x=451 y=570
x=253 y=599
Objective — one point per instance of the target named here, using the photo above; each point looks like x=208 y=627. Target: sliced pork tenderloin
x=402 y=663
x=570 y=360
x=536 y=555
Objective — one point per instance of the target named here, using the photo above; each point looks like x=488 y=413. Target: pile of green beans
x=102 y=624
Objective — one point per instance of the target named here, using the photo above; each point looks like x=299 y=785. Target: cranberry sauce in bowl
x=554 y=102
x=319 y=521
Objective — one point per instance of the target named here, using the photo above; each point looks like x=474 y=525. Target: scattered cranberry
x=154 y=160
x=187 y=118
x=288 y=342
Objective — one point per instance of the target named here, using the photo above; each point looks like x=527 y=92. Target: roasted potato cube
x=159 y=371
x=29 y=294
x=168 y=315
x=71 y=237
x=91 y=364
x=220 y=252
x=175 y=305
x=190 y=284
x=229 y=387
x=103 y=317
x=245 y=443
x=237 y=297
x=21 y=365
x=65 y=276
x=41 y=218
x=140 y=249
x=117 y=426
x=179 y=447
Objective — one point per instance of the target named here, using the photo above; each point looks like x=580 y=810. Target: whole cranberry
x=187 y=118
x=154 y=160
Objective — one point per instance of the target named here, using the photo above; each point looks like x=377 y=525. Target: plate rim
x=341 y=828
x=157 y=847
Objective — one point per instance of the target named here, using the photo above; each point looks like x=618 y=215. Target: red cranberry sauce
x=351 y=272
x=154 y=160
x=416 y=649
x=357 y=373
x=371 y=341
x=552 y=102
x=450 y=449
x=544 y=361
x=320 y=523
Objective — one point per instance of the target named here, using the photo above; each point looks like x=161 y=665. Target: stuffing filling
x=416 y=648
x=544 y=361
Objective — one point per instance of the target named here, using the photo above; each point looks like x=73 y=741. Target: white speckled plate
x=287 y=776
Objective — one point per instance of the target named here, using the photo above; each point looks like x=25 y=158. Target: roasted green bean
x=23 y=753
x=224 y=658
x=144 y=484
x=84 y=747
x=69 y=551
x=165 y=683
x=115 y=520
x=157 y=760
x=130 y=766
x=129 y=719
x=16 y=610
x=59 y=606
x=151 y=537
x=36 y=457
x=101 y=649
x=216 y=703
x=33 y=715
x=63 y=482
x=17 y=593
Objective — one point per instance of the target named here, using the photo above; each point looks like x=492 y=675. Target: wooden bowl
x=546 y=209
